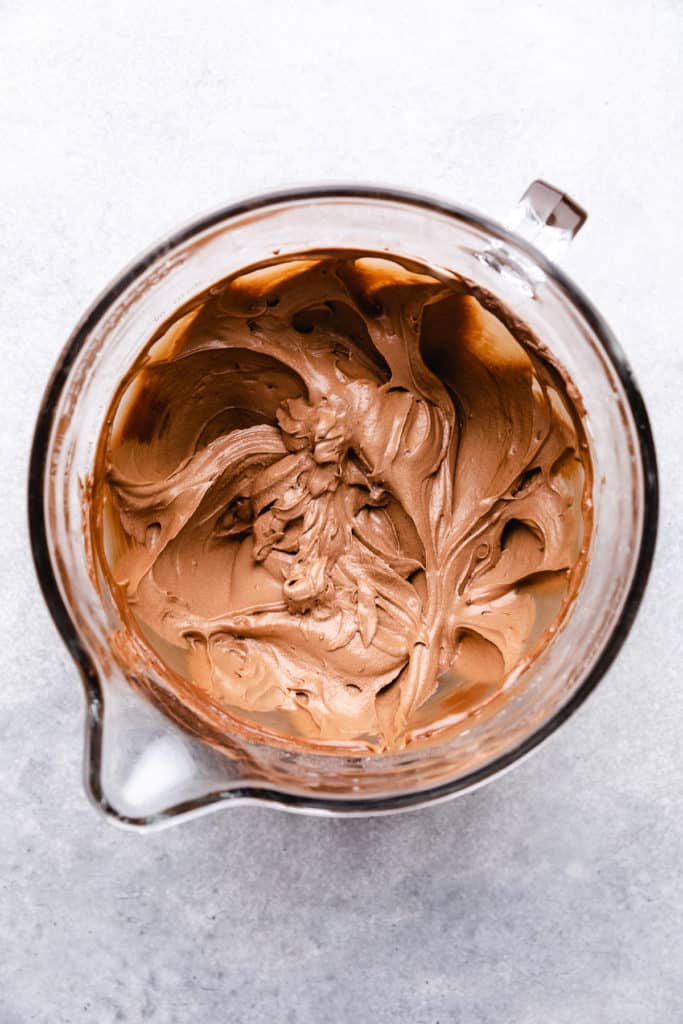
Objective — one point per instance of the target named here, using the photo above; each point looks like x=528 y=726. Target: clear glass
x=146 y=768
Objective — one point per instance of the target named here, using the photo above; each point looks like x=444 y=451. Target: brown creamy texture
x=343 y=500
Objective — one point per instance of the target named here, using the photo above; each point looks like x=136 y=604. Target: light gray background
x=552 y=897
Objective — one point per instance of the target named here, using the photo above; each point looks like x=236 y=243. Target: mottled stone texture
x=554 y=895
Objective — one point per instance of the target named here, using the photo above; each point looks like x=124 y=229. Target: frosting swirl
x=343 y=498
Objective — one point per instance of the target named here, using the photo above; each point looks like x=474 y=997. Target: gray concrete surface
x=553 y=896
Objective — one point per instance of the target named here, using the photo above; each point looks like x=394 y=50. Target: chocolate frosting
x=343 y=499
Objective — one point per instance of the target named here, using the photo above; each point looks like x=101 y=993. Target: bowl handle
x=547 y=218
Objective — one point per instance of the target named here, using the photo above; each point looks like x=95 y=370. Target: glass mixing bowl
x=148 y=767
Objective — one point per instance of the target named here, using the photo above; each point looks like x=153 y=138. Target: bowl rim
x=37 y=482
